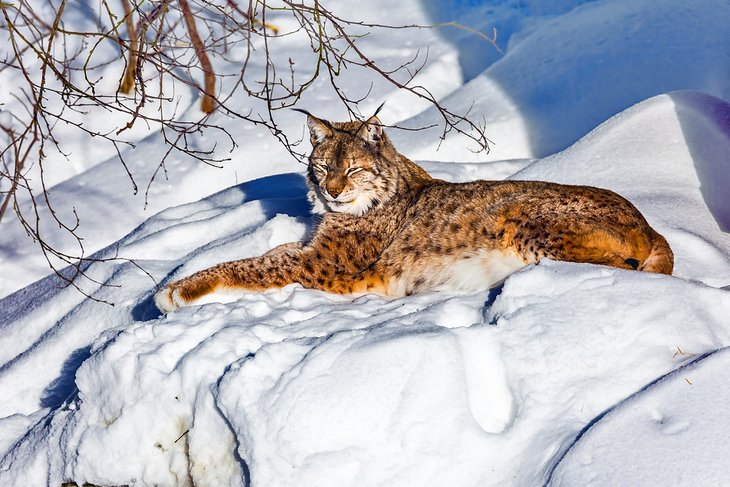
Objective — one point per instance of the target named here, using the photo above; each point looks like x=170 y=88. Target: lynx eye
x=353 y=170
x=321 y=167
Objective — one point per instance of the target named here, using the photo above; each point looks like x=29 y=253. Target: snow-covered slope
x=672 y=433
x=567 y=66
x=569 y=374
x=298 y=387
x=562 y=76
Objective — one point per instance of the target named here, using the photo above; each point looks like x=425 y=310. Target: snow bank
x=569 y=374
x=308 y=389
x=299 y=387
x=672 y=433
x=565 y=75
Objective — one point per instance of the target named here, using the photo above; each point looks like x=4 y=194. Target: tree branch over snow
x=208 y=103
x=60 y=57
x=128 y=80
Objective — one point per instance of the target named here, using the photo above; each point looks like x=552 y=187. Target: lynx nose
x=334 y=190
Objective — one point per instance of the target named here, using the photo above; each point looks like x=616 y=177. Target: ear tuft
x=372 y=130
x=318 y=129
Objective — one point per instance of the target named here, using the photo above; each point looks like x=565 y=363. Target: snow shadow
x=62 y=387
x=705 y=123
x=507 y=17
x=491 y=298
x=146 y=310
x=475 y=53
x=282 y=193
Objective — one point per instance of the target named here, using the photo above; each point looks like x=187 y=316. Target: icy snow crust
x=569 y=374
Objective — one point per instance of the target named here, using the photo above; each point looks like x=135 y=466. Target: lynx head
x=350 y=169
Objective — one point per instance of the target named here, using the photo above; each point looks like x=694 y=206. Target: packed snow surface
x=567 y=374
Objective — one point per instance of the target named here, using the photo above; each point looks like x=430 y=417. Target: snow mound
x=296 y=387
x=299 y=387
x=562 y=77
x=665 y=435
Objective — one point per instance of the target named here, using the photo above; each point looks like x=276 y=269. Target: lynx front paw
x=168 y=299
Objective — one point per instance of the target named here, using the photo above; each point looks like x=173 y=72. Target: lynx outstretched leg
x=284 y=265
x=276 y=268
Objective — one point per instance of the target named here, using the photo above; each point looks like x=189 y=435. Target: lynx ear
x=372 y=130
x=318 y=129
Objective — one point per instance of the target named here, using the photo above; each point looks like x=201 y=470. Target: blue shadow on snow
x=64 y=386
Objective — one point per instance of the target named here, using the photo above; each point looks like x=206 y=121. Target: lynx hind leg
x=641 y=250
x=629 y=249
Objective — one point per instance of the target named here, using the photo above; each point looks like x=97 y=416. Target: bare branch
x=208 y=102
x=57 y=66
x=128 y=80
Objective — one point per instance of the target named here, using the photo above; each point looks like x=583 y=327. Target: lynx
x=387 y=227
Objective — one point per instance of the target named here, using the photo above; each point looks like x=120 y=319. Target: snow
x=568 y=374
x=675 y=419
x=573 y=71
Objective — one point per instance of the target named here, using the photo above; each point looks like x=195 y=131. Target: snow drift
x=569 y=374
x=297 y=387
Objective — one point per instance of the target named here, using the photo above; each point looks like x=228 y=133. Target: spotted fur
x=387 y=227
